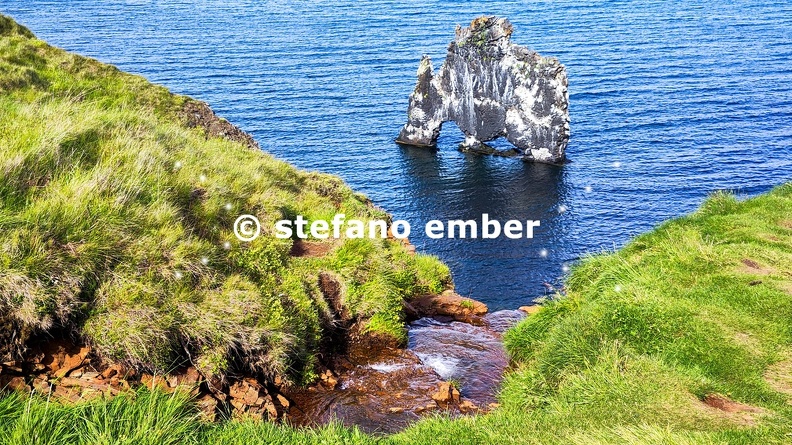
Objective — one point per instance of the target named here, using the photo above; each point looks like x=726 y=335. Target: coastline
x=681 y=336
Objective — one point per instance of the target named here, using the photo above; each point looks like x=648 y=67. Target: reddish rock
x=256 y=413
x=284 y=402
x=114 y=370
x=207 y=406
x=237 y=390
x=422 y=409
x=41 y=385
x=329 y=380
x=467 y=406
x=60 y=357
x=13 y=383
x=446 y=393
x=68 y=394
x=251 y=395
x=239 y=405
x=271 y=410
x=191 y=377
x=154 y=381
x=449 y=304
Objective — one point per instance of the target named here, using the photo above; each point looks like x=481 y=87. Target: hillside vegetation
x=116 y=226
x=684 y=336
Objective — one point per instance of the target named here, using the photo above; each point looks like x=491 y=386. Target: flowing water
x=670 y=100
x=386 y=391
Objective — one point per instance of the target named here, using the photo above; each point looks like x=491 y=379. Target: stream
x=385 y=392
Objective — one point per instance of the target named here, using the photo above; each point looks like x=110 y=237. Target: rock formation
x=492 y=88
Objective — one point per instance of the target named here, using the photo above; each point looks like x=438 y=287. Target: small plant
x=467 y=304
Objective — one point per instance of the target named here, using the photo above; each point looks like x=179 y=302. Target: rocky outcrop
x=492 y=88
x=447 y=304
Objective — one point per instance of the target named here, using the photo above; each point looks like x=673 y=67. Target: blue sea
x=669 y=102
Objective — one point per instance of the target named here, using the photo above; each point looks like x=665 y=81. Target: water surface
x=670 y=101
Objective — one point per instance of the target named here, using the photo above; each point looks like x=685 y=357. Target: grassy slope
x=113 y=224
x=642 y=335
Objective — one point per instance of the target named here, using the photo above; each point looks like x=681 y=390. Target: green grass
x=113 y=224
x=700 y=305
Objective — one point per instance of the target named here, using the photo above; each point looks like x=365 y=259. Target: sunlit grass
x=96 y=219
x=116 y=222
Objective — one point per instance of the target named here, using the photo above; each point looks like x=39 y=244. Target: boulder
x=448 y=304
x=492 y=88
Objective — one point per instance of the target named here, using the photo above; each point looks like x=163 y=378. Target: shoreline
x=680 y=336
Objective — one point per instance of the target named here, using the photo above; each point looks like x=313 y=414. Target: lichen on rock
x=492 y=88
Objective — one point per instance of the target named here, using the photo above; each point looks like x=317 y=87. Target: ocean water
x=669 y=101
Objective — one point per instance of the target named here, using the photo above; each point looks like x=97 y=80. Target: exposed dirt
x=310 y=249
x=734 y=411
x=751 y=267
x=195 y=113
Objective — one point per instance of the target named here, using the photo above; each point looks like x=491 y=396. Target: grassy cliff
x=684 y=336
x=117 y=204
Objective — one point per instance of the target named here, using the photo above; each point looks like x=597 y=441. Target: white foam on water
x=444 y=366
x=386 y=367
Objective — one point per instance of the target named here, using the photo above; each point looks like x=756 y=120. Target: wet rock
x=467 y=406
x=423 y=409
x=60 y=358
x=329 y=380
x=492 y=88
x=446 y=393
x=449 y=304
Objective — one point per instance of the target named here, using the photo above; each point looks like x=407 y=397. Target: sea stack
x=491 y=88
